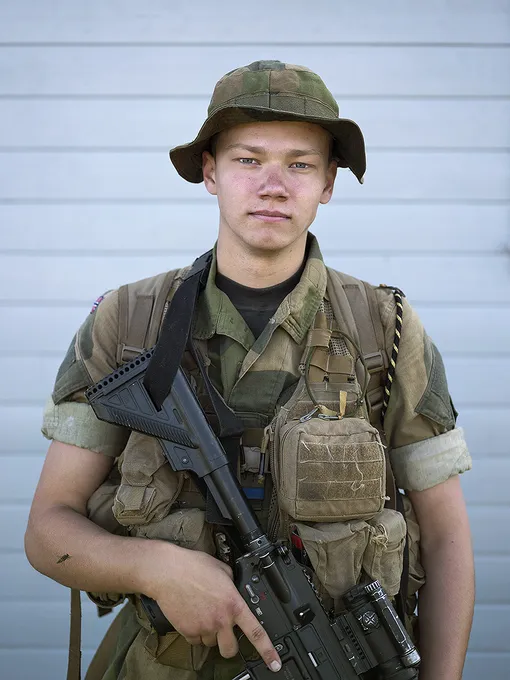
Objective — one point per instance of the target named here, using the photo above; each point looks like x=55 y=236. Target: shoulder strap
x=141 y=308
x=355 y=308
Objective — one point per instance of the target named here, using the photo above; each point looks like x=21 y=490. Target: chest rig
x=345 y=382
x=355 y=354
x=346 y=375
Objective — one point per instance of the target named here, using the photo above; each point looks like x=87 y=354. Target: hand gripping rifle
x=276 y=588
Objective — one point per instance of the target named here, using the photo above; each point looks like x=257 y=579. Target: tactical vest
x=332 y=418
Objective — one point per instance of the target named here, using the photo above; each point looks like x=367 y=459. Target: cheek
x=237 y=184
x=308 y=192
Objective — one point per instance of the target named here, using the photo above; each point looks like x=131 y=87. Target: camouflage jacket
x=255 y=376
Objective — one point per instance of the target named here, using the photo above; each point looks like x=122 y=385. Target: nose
x=272 y=184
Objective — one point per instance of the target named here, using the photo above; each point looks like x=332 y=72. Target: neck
x=258 y=268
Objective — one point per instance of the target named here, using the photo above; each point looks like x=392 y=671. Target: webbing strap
x=355 y=309
x=363 y=310
x=133 y=324
x=342 y=310
x=140 y=319
x=160 y=305
x=175 y=331
x=74 y=659
x=175 y=336
x=371 y=340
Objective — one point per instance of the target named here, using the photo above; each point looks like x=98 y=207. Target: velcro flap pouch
x=336 y=553
x=383 y=558
x=186 y=528
x=148 y=485
x=333 y=470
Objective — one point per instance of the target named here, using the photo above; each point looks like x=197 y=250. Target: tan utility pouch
x=331 y=470
x=186 y=528
x=148 y=485
x=384 y=555
x=336 y=551
x=344 y=553
x=99 y=511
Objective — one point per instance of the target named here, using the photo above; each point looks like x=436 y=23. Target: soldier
x=282 y=336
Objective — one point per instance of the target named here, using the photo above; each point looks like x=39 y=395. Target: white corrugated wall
x=92 y=96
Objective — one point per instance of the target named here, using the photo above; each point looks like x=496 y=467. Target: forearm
x=67 y=547
x=446 y=607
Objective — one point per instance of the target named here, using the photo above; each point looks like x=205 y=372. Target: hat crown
x=274 y=85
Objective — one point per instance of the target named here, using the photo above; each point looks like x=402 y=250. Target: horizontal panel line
x=85 y=304
x=453 y=304
x=198 y=201
x=493 y=605
x=86 y=149
x=24 y=454
x=161 y=252
x=22 y=402
x=64 y=304
x=258 y=43
x=206 y=97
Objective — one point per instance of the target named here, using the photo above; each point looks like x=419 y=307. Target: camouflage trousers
x=130 y=652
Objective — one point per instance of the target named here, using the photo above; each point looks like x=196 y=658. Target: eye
x=301 y=166
x=247 y=161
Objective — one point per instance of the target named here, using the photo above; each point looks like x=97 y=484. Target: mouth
x=269 y=215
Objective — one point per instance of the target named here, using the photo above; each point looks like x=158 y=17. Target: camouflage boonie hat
x=266 y=91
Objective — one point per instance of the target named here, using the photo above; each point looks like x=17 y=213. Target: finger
x=227 y=643
x=258 y=637
x=209 y=640
x=193 y=639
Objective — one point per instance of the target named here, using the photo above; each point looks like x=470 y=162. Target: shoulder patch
x=98 y=301
x=436 y=402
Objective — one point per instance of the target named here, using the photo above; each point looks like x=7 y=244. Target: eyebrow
x=261 y=150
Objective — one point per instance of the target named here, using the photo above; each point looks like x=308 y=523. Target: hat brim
x=349 y=146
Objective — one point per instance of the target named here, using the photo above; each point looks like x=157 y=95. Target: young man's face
x=269 y=179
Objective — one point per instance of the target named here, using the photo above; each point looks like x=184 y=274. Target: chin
x=267 y=242
x=268 y=238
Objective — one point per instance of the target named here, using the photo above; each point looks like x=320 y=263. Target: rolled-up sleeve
x=68 y=418
x=432 y=461
x=75 y=423
x=426 y=447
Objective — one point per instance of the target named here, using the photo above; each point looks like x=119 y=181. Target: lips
x=269 y=213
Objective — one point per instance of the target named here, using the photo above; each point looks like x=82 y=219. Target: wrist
x=154 y=565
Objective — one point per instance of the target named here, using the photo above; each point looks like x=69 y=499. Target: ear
x=327 y=192
x=209 y=172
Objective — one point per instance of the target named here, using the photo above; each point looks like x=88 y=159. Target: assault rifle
x=278 y=590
